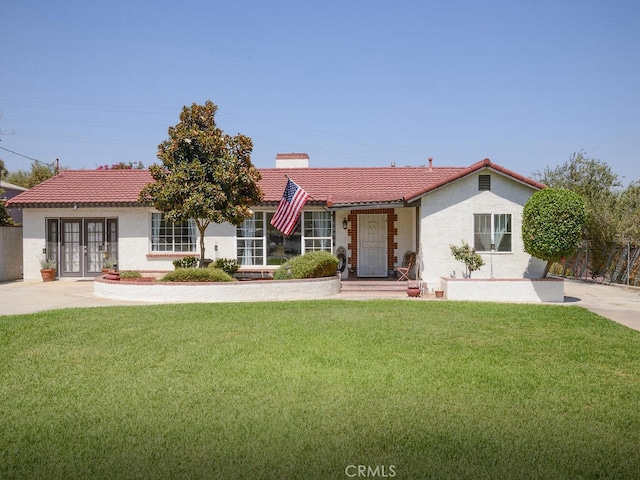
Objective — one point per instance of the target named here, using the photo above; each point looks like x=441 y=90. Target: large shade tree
x=553 y=220
x=205 y=175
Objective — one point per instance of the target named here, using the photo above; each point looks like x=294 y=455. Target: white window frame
x=479 y=245
x=155 y=246
x=308 y=242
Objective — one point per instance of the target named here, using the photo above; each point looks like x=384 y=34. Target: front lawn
x=323 y=389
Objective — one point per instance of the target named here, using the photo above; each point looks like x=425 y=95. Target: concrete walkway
x=616 y=303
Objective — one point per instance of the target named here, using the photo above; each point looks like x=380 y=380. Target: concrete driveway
x=616 y=303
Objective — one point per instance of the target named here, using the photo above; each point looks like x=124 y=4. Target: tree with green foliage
x=467 y=255
x=206 y=175
x=29 y=179
x=599 y=186
x=122 y=166
x=628 y=214
x=553 y=221
x=3 y=170
x=5 y=218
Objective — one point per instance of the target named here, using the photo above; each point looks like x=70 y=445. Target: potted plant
x=413 y=289
x=107 y=264
x=48 y=269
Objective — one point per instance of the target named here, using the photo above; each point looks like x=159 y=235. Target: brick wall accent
x=392 y=232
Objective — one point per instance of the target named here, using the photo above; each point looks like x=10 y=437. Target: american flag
x=292 y=201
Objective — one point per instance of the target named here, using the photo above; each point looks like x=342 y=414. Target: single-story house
x=371 y=215
x=9 y=190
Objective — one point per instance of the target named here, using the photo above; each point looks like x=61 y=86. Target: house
x=373 y=215
x=10 y=190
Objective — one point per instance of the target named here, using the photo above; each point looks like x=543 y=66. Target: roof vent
x=484 y=182
x=292 y=160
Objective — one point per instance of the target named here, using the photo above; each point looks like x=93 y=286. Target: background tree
x=3 y=170
x=552 y=224
x=29 y=179
x=122 y=166
x=5 y=218
x=599 y=186
x=206 y=175
x=628 y=214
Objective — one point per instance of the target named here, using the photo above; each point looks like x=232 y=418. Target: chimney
x=292 y=160
x=430 y=163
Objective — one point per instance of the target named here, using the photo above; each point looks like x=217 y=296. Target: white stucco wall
x=447 y=218
x=134 y=224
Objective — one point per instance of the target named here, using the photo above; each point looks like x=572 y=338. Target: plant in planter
x=48 y=269
x=467 y=255
x=107 y=264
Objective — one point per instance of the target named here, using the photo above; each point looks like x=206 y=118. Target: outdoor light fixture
x=345 y=224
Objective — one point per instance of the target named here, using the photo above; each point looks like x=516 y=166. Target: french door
x=82 y=244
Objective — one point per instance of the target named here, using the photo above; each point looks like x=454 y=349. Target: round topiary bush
x=310 y=265
x=197 y=275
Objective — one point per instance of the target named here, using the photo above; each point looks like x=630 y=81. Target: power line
x=25 y=156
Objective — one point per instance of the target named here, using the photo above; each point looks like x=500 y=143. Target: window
x=167 y=236
x=259 y=243
x=492 y=230
x=317 y=231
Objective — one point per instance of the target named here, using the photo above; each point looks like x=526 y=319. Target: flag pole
x=311 y=197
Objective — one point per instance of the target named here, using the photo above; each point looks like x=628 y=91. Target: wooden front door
x=372 y=245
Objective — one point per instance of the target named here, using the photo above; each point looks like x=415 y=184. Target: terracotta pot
x=48 y=274
x=439 y=293
x=413 y=291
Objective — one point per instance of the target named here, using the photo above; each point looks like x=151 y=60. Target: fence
x=621 y=264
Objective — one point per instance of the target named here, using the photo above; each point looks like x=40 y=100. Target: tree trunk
x=201 y=228
x=547 y=267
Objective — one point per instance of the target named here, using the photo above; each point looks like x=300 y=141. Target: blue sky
x=351 y=83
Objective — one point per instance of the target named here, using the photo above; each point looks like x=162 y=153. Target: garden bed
x=145 y=289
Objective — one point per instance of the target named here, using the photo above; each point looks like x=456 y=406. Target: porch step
x=373 y=286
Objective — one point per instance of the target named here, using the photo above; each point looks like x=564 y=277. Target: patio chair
x=407 y=264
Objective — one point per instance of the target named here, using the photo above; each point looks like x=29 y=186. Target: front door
x=372 y=245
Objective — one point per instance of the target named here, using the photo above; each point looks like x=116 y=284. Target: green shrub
x=124 y=274
x=186 y=262
x=228 y=265
x=310 y=265
x=197 y=275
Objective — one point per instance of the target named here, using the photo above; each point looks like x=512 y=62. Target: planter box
x=530 y=290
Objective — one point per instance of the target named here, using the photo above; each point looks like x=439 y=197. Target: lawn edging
x=536 y=290
x=243 y=291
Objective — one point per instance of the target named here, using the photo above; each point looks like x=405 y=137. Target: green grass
x=305 y=389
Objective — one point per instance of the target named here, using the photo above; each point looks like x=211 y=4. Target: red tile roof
x=331 y=186
x=86 y=188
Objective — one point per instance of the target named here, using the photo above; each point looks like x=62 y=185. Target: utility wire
x=24 y=156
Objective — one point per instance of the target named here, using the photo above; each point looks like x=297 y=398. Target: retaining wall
x=242 y=291
x=505 y=290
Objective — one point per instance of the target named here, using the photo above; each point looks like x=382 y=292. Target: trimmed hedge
x=197 y=275
x=310 y=265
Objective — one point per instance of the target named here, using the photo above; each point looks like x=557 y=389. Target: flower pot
x=439 y=293
x=48 y=274
x=413 y=291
